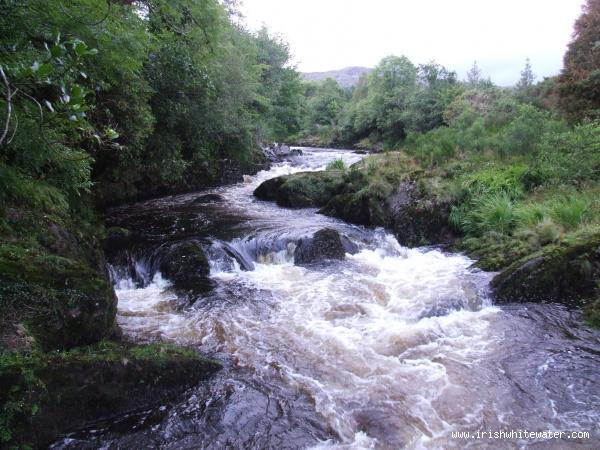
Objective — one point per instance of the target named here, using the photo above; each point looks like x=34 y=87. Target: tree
x=579 y=81
x=474 y=78
x=524 y=88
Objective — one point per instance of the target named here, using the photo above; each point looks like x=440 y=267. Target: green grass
x=337 y=164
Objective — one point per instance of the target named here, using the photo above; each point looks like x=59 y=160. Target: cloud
x=331 y=34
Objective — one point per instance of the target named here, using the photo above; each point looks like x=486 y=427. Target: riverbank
x=542 y=238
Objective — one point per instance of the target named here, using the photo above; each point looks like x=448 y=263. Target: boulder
x=303 y=189
x=186 y=265
x=417 y=218
x=74 y=389
x=268 y=189
x=566 y=272
x=325 y=244
x=279 y=152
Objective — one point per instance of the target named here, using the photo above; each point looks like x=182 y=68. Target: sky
x=498 y=34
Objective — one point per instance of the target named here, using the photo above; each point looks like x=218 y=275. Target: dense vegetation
x=103 y=102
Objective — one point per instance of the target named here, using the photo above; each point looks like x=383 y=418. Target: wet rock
x=417 y=218
x=74 y=388
x=324 y=245
x=279 y=152
x=186 y=265
x=349 y=246
x=269 y=189
x=207 y=198
x=565 y=272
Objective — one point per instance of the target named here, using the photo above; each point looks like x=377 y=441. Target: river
x=391 y=348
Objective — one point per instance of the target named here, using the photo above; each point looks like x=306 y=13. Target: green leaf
x=57 y=51
x=80 y=48
x=45 y=69
x=111 y=134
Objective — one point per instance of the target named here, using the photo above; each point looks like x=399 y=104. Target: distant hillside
x=346 y=77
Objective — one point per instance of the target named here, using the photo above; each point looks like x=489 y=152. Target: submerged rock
x=187 y=266
x=324 y=245
x=566 y=272
x=207 y=198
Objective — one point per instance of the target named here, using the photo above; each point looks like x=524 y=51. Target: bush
x=570 y=157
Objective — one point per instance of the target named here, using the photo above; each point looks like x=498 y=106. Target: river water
x=391 y=348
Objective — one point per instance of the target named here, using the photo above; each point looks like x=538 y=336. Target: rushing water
x=391 y=348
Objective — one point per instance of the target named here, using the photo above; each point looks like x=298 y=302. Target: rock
x=361 y=208
x=269 y=189
x=279 y=152
x=186 y=265
x=417 y=218
x=324 y=245
x=207 y=198
x=303 y=189
x=62 y=302
x=76 y=388
x=565 y=272
x=348 y=245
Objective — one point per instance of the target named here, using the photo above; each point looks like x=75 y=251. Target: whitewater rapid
x=391 y=348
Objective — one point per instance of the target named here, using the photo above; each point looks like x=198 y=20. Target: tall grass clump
x=336 y=164
x=495 y=212
x=571 y=210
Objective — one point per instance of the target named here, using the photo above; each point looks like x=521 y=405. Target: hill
x=346 y=77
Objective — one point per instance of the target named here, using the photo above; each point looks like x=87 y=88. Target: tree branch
x=9 y=95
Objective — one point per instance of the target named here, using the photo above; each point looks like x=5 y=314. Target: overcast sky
x=499 y=34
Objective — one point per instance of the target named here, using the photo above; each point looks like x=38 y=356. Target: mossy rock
x=62 y=302
x=361 y=208
x=325 y=244
x=43 y=395
x=267 y=190
x=567 y=272
x=186 y=265
x=302 y=190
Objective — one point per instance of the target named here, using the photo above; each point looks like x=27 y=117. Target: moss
x=61 y=301
x=302 y=190
x=592 y=313
x=564 y=272
x=44 y=394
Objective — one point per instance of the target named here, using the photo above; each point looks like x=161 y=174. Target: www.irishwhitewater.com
x=520 y=434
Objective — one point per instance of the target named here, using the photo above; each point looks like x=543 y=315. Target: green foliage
x=336 y=164
x=569 y=156
x=579 y=81
x=494 y=212
x=570 y=211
